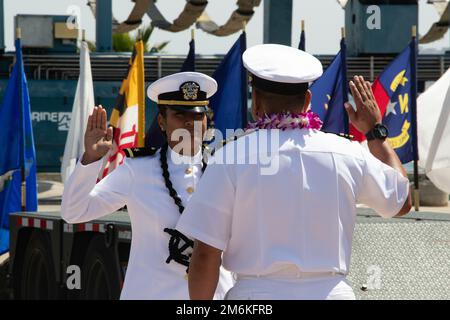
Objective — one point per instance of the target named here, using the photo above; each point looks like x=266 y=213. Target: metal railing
x=108 y=67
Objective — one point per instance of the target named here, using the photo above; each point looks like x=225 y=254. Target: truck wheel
x=100 y=275
x=38 y=281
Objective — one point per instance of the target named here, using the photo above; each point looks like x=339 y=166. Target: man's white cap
x=187 y=91
x=282 y=64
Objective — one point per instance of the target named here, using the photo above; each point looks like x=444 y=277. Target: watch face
x=381 y=132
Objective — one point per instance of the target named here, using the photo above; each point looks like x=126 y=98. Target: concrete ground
x=426 y=209
x=49 y=195
x=436 y=209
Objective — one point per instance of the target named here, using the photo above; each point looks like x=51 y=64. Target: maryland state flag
x=128 y=115
x=330 y=92
x=395 y=91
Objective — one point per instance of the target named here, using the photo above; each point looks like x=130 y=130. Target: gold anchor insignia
x=190 y=90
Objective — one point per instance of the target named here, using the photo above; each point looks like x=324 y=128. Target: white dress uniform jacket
x=138 y=183
x=301 y=217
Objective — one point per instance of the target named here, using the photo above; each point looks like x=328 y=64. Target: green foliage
x=124 y=42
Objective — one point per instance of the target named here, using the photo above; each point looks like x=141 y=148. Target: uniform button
x=188 y=171
x=186 y=276
x=190 y=190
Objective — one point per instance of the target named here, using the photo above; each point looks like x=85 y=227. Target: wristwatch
x=379 y=131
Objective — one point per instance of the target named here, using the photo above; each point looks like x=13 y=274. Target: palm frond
x=146 y=33
x=124 y=42
x=160 y=46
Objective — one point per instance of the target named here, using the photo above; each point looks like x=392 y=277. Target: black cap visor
x=193 y=109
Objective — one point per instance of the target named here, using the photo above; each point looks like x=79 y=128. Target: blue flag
x=189 y=62
x=16 y=136
x=229 y=104
x=302 y=43
x=330 y=92
x=154 y=137
x=395 y=91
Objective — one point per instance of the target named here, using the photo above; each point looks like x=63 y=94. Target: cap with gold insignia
x=281 y=69
x=186 y=91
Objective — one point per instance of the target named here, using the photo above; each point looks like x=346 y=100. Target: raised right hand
x=367 y=113
x=97 y=138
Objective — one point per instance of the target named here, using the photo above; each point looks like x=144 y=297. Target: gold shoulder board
x=139 y=152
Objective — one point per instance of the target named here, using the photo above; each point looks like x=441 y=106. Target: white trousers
x=328 y=287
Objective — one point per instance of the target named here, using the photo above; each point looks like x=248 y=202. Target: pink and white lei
x=283 y=121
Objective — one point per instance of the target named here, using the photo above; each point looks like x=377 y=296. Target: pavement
x=49 y=195
x=436 y=209
x=445 y=209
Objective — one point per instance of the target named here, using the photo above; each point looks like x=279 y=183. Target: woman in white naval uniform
x=153 y=184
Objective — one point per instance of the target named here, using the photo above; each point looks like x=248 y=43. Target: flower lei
x=283 y=121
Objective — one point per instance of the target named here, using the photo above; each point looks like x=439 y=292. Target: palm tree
x=124 y=42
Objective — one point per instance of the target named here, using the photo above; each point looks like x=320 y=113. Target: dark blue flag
x=189 y=62
x=229 y=104
x=395 y=92
x=330 y=92
x=19 y=157
x=154 y=137
x=302 y=43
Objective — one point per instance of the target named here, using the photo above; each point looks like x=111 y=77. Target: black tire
x=99 y=273
x=38 y=281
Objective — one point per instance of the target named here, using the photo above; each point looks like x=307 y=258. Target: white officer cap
x=186 y=91
x=281 y=69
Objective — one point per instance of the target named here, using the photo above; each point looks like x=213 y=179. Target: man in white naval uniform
x=154 y=185
x=288 y=235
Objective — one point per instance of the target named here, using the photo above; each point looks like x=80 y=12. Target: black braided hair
x=204 y=164
x=175 y=251
x=166 y=176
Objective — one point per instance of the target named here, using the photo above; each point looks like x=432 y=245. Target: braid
x=176 y=246
x=204 y=163
x=166 y=176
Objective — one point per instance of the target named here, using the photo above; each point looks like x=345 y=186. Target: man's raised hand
x=367 y=113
